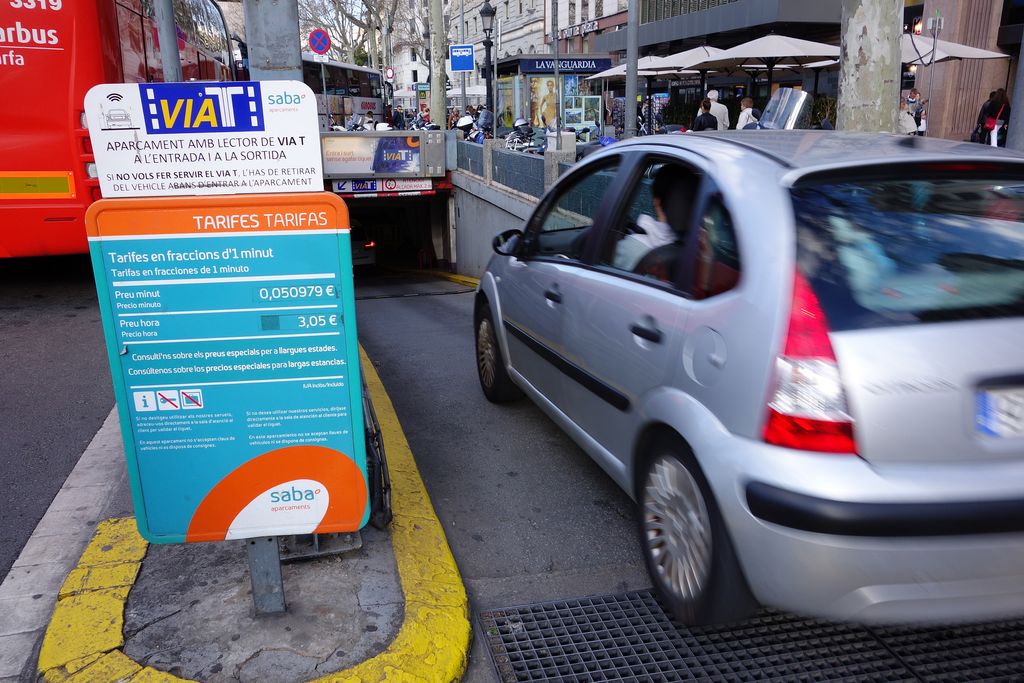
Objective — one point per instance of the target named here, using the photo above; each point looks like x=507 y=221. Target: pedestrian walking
x=719 y=111
x=997 y=118
x=906 y=123
x=747 y=116
x=706 y=120
x=916 y=105
x=979 y=131
x=398 y=118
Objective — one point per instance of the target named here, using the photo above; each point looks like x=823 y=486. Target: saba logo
x=202 y=108
x=293 y=495
x=284 y=98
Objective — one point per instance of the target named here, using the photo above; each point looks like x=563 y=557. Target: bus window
x=133 y=51
x=189 y=63
x=154 y=62
x=311 y=76
x=206 y=68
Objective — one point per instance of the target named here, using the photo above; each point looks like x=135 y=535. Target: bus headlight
x=91 y=171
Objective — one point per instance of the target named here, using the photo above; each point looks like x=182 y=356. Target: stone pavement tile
x=24 y=614
x=14 y=652
x=51 y=549
x=87 y=501
x=59 y=522
x=32 y=580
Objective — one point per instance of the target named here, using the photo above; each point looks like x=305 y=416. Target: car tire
x=686 y=546
x=490 y=365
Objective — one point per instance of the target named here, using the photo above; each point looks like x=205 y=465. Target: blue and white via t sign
x=461 y=58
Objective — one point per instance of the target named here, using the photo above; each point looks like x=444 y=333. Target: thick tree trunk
x=869 y=67
x=438 y=55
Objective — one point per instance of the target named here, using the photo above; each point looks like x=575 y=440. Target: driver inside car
x=671 y=188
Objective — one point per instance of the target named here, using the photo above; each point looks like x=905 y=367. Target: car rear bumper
x=833 y=536
x=809 y=513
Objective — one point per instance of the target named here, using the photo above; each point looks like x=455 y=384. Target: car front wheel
x=685 y=544
x=494 y=380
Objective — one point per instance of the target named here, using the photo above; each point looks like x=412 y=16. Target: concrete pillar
x=869 y=66
x=960 y=86
x=271 y=30
x=488 y=146
x=553 y=158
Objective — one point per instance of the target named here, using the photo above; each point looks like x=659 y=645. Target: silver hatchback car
x=800 y=352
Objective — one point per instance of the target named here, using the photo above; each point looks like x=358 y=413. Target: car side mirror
x=507 y=243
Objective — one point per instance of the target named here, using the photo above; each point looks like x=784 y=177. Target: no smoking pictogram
x=319 y=41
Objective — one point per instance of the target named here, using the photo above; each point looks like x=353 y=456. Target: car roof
x=817 y=149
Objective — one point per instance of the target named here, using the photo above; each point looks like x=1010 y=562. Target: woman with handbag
x=997 y=116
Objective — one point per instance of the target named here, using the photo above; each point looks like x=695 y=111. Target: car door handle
x=651 y=334
x=553 y=295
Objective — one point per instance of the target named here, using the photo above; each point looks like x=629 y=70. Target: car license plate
x=1000 y=413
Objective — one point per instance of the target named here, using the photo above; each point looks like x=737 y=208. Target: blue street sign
x=319 y=41
x=461 y=58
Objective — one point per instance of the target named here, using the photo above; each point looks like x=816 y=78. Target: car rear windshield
x=899 y=251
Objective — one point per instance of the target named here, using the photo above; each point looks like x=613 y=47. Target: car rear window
x=899 y=251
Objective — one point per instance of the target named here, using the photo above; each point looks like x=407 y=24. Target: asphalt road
x=528 y=515
x=55 y=386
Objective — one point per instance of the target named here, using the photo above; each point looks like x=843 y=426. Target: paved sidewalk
x=394 y=608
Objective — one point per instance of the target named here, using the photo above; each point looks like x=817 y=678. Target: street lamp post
x=487 y=13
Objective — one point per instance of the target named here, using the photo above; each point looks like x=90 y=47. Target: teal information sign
x=231 y=336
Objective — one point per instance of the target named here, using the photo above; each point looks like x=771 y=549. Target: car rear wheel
x=494 y=379
x=685 y=544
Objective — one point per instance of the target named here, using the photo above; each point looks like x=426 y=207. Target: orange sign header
x=216 y=215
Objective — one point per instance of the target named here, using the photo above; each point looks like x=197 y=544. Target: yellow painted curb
x=83 y=638
x=452 y=277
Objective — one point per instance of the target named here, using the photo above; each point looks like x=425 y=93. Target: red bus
x=51 y=53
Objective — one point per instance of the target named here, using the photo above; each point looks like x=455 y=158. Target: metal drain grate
x=629 y=638
x=976 y=652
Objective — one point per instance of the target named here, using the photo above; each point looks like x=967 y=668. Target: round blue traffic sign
x=319 y=41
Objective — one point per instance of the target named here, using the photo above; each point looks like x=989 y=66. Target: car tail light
x=808 y=409
x=369 y=245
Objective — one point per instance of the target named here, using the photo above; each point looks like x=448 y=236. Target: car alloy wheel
x=486 y=353
x=676 y=528
x=490 y=366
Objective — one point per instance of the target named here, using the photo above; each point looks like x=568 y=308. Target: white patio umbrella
x=916 y=49
x=619 y=72
x=772 y=50
x=681 y=62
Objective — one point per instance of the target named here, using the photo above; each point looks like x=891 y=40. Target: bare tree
x=344 y=20
x=355 y=24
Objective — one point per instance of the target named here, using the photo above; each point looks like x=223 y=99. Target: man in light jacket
x=719 y=110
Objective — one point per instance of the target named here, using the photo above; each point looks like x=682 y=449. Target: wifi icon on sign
x=115 y=97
